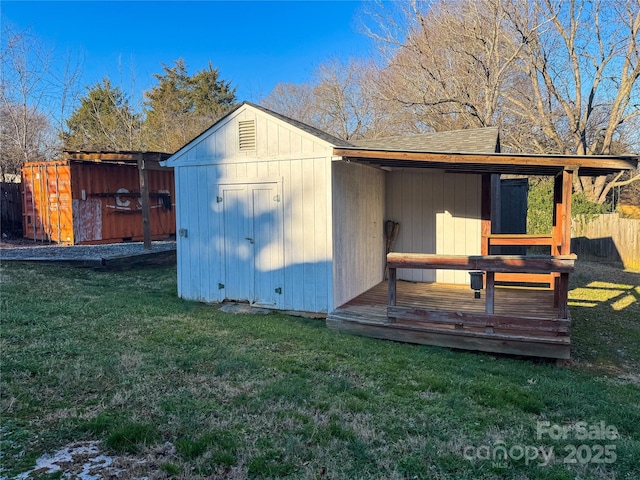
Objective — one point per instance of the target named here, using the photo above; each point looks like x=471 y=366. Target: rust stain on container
x=90 y=198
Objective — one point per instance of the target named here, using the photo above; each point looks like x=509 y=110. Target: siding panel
x=438 y=213
x=295 y=264
x=358 y=218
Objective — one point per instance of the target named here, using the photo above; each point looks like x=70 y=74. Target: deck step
x=513 y=329
x=547 y=347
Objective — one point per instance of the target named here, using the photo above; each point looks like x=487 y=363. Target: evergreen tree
x=104 y=121
x=179 y=106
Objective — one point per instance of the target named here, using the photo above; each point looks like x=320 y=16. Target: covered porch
x=523 y=310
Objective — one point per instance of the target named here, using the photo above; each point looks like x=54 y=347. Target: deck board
x=536 y=303
x=367 y=315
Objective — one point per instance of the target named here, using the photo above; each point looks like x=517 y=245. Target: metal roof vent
x=247 y=135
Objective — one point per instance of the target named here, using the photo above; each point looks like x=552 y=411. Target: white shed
x=267 y=214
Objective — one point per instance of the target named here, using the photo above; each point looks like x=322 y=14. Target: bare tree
x=342 y=99
x=557 y=76
x=25 y=135
x=292 y=100
x=449 y=63
x=35 y=99
x=583 y=70
x=340 y=105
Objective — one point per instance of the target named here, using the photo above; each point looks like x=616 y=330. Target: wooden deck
x=524 y=321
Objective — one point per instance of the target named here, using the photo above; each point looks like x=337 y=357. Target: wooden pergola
x=511 y=321
x=144 y=161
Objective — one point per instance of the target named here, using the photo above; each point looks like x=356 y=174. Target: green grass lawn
x=118 y=357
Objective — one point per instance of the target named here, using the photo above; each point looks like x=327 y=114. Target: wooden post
x=392 y=287
x=567 y=189
x=562 y=189
x=144 y=196
x=556 y=229
x=485 y=213
x=563 y=295
x=490 y=295
x=556 y=232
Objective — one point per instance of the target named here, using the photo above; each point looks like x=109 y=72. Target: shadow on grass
x=605 y=308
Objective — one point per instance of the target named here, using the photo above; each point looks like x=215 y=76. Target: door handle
x=250 y=240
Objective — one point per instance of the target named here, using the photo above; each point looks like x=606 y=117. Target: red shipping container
x=91 y=198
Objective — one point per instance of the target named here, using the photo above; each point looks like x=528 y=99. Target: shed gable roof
x=335 y=141
x=303 y=129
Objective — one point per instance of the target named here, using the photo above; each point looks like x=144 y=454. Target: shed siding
x=358 y=224
x=198 y=265
x=306 y=229
x=438 y=213
x=300 y=165
x=275 y=139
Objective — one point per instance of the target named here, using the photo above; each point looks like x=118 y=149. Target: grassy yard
x=117 y=357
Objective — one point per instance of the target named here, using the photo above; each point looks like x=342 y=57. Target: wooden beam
x=556 y=229
x=567 y=189
x=562 y=161
x=524 y=277
x=562 y=295
x=492 y=263
x=491 y=293
x=481 y=320
x=144 y=196
x=505 y=239
x=550 y=347
x=392 y=286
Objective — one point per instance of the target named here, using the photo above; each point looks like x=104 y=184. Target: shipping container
x=95 y=197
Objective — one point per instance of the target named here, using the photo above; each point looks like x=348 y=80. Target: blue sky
x=255 y=45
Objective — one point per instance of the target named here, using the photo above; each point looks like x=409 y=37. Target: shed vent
x=247 y=135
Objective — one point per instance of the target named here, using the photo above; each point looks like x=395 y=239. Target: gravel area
x=29 y=250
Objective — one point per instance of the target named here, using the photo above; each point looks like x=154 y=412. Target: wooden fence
x=607 y=238
x=10 y=209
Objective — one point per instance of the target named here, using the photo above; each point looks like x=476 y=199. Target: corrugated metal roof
x=477 y=140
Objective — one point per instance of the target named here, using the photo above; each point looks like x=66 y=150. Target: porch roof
x=504 y=163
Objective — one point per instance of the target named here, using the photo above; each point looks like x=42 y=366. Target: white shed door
x=253 y=243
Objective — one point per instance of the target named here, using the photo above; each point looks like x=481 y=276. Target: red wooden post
x=567 y=188
x=556 y=229
x=562 y=189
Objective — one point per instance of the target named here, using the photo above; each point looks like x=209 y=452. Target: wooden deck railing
x=491 y=264
x=524 y=240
